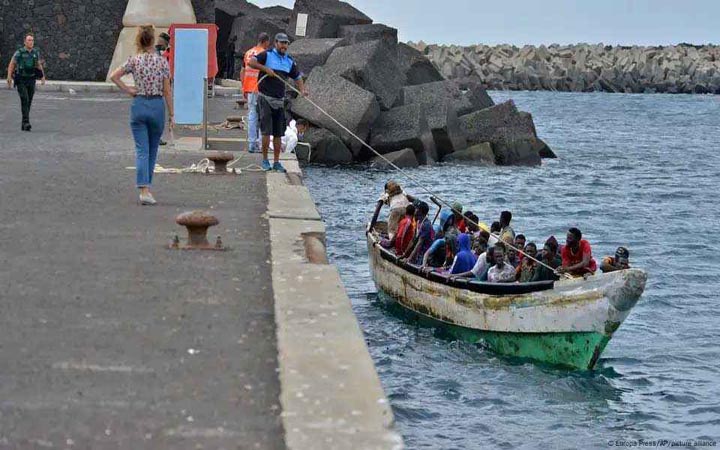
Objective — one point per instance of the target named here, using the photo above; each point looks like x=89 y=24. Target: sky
x=520 y=22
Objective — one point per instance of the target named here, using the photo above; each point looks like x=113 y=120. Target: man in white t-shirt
x=502 y=271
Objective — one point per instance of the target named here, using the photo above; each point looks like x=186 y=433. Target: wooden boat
x=566 y=323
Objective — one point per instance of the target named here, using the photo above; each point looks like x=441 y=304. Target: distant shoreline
x=674 y=69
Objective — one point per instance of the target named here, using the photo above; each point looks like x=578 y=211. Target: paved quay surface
x=107 y=338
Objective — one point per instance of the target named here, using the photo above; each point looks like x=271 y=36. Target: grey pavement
x=107 y=338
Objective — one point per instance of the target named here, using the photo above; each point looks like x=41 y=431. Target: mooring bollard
x=197 y=224
x=220 y=160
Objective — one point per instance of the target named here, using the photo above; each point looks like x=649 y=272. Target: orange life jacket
x=250 y=81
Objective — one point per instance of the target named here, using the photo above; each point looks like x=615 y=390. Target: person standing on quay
x=278 y=66
x=24 y=67
x=151 y=73
x=249 y=78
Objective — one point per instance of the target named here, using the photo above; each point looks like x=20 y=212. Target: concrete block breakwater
x=680 y=68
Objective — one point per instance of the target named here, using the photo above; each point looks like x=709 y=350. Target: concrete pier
x=108 y=339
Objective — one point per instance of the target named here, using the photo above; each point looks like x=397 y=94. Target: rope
x=417 y=182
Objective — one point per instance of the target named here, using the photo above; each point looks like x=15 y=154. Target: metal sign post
x=206 y=146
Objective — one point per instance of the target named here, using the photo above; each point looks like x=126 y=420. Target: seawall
x=680 y=68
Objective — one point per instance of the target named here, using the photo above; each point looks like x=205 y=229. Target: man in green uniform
x=24 y=68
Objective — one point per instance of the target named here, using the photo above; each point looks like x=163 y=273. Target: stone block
x=543 y=149
x=248 y=27
x=348 y=103
x=496 y=124
x=405 y=159
x=370 y=66
x=279 y=13
x=404 y=127
x=439 y=100
x=417 y=68
x=517 y=152
x=479 y=153
x=310 y=53
x=325 y=17
x=435 y=93
x=325 y=147
x=355 y=34
x=475 y=93
x=236 y=8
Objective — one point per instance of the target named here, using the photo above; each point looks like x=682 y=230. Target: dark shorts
x=272 y=120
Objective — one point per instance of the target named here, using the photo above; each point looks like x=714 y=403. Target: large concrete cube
x=310 y=53
x=404 y=159
x=355 y=34
x=325 y=147
x=417 y=68
x=404 y=127
x=370 y=66
x=348 y=103
x=435 y=93
x=498 y=123
x=325 y=17
x=475 y=92
x=248 y=27
x=517 y=152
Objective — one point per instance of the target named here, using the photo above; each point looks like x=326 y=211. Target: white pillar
x=160 y=13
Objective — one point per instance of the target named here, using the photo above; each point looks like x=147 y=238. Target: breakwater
x=682 y=68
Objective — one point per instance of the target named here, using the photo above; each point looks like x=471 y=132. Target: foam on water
x=634 y=170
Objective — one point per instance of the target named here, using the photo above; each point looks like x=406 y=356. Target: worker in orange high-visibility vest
x=249 y=77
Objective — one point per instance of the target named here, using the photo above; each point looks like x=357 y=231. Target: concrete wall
x=76 y=37
x=581 y=68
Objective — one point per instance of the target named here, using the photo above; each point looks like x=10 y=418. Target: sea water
x=642 y=171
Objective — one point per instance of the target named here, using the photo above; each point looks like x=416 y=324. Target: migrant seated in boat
x=502 y=271
x=550 y=258
x=511 y=255
x=506 y=231
x=620 y=261
x=519 y=244
x=465 y=259
x=576 y=255
x=458 y=217
x=405 y=233
x=424 y=235
x=527 y=268
x=397 y=200
x=480 y=270
x=442 y=251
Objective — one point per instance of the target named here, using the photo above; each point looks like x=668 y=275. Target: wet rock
x=351 y=105
x=417 y=68
x=543 y=149
x=325 y=17
x=325 y=148
x=479 y=153
x=518 y=152
x=310 y=53
x=498 y=123
x=404 y=159
x=355 y=34
x=370 y=66
x=404 y=127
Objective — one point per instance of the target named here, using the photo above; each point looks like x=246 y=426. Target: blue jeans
x=253 y=126
x=147 y=121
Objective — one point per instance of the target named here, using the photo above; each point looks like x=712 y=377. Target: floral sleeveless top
x=149 y=70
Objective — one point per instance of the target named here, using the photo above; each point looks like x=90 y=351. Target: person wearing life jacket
x=249 y=78
x=24 y=68
x=278 y=66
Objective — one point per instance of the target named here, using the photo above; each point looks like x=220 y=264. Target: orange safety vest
x=250 y=81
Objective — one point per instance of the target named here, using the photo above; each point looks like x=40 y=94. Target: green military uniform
x=27 y=63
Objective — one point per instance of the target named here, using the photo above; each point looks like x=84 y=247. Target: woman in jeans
x=147 y=114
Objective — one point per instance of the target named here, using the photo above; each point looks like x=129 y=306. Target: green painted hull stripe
x=575 y=350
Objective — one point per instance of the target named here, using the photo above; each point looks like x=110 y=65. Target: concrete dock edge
x=331 y=395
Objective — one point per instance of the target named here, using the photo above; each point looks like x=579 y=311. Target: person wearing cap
x=278 y=67
x=620 y=261
x=249 y=78
x=457 y=209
